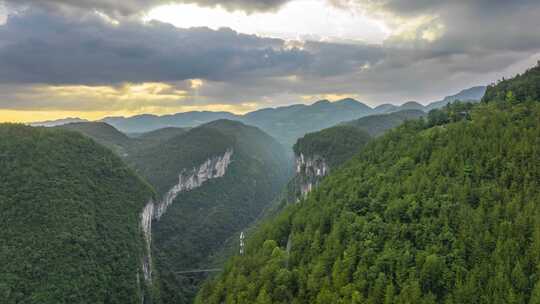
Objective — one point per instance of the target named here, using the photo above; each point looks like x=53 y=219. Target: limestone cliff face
x=187 y=180
x=194 y=178
x=146 y=225
x=310 y=170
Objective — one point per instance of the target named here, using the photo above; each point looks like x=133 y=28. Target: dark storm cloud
x=130 y=7
x=42 y=47
x=416 y=7
x=470 y=26
x=37 y=47
x=332 y=59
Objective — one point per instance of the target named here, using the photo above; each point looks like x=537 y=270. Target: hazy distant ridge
x=286 y=124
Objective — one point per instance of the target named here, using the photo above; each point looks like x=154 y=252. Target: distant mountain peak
x=411 y=103
x=348 y=100
x=470 y=94
x=321 y=102
x=57 y=122
x=351 y=102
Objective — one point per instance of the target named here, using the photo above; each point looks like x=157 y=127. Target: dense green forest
x=440 y=210
x=104 y=134
x=160 y=155
x=335 y=145
x=160 y=135
x=339 y=143
x=121 y=143
x=161 y=163
x=69 y=220
x=195 y=228
x=376 y=125
x=523 y=87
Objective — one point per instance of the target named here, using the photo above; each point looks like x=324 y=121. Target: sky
x=97 y=58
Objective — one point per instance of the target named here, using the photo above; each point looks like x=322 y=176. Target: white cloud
x=297 y=20
x=3 y=13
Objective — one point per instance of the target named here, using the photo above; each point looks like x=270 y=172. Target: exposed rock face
x=311 y=170
x=146 y=224
x=187 y=180
x=194 y=178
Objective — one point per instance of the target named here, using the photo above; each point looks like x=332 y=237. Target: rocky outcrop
x=187 y=180
x=194 y=178
x=310 y=170
x=146 y=225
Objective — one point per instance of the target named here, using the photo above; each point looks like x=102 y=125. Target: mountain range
x=286 y=124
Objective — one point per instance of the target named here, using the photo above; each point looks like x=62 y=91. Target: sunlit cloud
x=26 y=116
x=296 y=20
x=196 y=83
x=126 y=95
x=3 y=13
x=426 y=28
x=107 y=18
x=399 y=28
x=45 y=102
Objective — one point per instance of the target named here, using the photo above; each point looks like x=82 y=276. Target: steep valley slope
x=444 y=209
x=70 y=221
x=212 y=182
x=318 y=153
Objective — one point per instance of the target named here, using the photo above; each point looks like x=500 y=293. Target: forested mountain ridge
x=70 y=222
x=523 y=87
x=316 y=154
x=104 y=134
x=159 y=155
x=435 y=211
x=473 y=94
x=147 y=122
x=335 y=145
x=160 y=135
x=195 y=227
x=339 y=143
x=376 y=125
x=212 y=181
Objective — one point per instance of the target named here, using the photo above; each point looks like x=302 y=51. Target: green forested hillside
x=335 y=145
x=524 y=87
x=197 y=225
x=104 y=134
x=376 y=125
x=161 y=135
x=160 y=155
x=194 y=230
x=69 y=220
x=431 y=212
x=326 y=150
x=161 y=163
